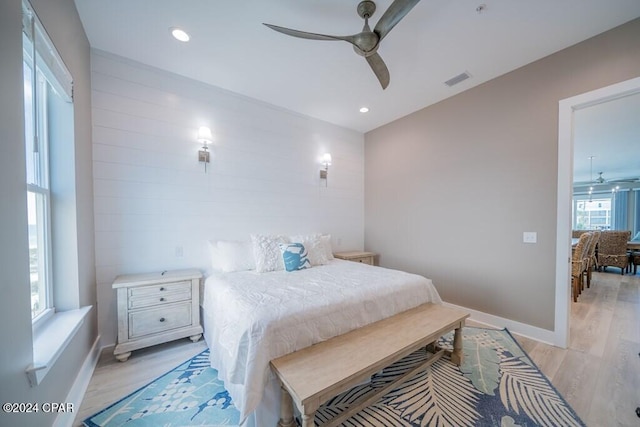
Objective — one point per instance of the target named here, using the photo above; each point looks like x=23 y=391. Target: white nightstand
x=357 y=256
x=155 y=308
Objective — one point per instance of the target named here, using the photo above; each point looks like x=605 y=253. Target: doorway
x=567 y=108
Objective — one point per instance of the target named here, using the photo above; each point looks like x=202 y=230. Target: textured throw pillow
x=266 y=251
x=326 y=241
x=315 y=248
x=294 y=256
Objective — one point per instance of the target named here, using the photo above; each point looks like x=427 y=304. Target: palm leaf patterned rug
x=497 y=385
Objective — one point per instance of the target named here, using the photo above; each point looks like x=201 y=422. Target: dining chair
x=575 y=234
x=634 y=255
x=612 y=250
x=634 y=261
x=590 y=256
x=578 y=264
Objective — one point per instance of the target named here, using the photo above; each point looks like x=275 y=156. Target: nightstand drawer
x=159 y=298
x=154 y=320
x=163 y=288
x=357 y=256
x=364 y=260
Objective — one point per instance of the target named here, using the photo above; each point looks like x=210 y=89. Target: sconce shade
x=324 y=173
x=204 y=134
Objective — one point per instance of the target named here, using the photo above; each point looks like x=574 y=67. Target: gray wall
x=63 y=25
x=450 y=189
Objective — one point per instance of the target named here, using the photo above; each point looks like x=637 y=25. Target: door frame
x=567 y=107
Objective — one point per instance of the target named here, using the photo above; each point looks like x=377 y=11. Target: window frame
x=41 y=78
x=577 y=198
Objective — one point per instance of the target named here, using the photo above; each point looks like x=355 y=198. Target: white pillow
x=316 y=252
x=326 y=241
x=229 y=256
x=216 y=262
x=266 y=252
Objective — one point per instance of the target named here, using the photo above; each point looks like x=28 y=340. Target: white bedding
x=252 y=318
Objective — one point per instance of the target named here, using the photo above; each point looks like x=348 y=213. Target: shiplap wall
x=155 y=207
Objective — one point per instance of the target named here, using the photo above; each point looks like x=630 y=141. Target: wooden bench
x=311 y=376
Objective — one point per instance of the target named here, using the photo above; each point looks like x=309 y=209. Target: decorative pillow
x=314 y=246
x=294 y=256
x=266 y=251
x=326 y=241
x=230 y=256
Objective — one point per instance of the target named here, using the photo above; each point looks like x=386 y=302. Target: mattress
x=252 y=318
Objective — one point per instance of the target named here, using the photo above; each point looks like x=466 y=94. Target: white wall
x=155 y=207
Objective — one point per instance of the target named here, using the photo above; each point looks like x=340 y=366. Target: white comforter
x=256 y=317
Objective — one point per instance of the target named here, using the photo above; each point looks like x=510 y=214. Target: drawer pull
x=161 y=289
x=162 y=299
x=162 y=319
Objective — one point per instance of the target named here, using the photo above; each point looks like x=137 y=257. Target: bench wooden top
x=314 y=374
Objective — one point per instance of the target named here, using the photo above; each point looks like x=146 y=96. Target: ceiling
x=437 y=40
x=610 y=133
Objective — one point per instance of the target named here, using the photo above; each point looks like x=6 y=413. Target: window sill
x=50 y=340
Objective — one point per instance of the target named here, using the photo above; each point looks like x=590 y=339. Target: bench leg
x=456 y=355
x=286 y=410
x=308 y=420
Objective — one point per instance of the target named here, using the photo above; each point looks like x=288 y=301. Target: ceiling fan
x=366 y=42
x=600 y=180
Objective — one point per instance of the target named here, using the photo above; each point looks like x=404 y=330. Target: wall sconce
x=324 y=173
x=204 y=137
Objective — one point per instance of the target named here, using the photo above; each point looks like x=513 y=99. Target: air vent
x=457 y=79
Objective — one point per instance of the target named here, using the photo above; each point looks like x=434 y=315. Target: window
x=594 y=214
x=47 y=91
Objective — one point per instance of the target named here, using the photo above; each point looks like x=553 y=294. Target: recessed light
x=364 y=110
x=179 y=34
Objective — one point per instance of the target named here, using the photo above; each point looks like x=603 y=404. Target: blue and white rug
x=497 y=385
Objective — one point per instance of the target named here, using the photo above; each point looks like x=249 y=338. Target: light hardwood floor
x=599 y=374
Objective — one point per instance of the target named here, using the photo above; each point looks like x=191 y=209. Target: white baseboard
x=79 y=387
x=528 y=331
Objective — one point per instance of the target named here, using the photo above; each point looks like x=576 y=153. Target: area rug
x=497 y=385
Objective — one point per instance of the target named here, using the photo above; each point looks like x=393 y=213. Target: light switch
x=530 y=237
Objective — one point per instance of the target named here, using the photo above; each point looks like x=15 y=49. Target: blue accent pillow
x=294 y=256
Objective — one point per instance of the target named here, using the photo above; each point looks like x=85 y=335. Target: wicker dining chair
x=575 y=234
x=612 y=250
x=634 y=261
x=578 y=264
x=590 y=256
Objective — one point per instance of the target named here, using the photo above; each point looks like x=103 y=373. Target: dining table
x=631 y=245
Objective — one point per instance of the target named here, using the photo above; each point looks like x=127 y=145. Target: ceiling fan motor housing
x=366 y=9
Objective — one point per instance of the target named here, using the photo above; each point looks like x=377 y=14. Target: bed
x=251 y=318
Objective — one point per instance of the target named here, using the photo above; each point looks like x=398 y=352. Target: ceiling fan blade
x=379 y=68
x=623 y=180
x=306 y=35
x=393 y=15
